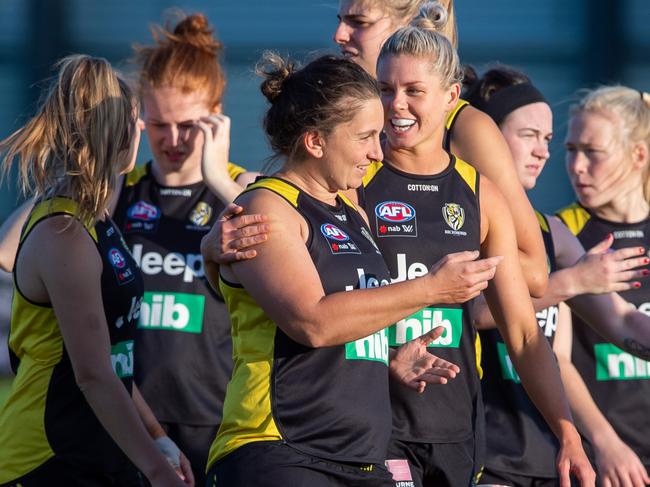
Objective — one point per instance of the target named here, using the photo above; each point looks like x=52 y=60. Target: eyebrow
x=367 y=132
x=348 y=17
x=537 y=131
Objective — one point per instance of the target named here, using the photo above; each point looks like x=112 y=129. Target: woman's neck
x=627 y=207
x=184 y=176
x=312 y=184
x=424 y=159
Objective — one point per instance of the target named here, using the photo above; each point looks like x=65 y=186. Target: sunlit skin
x=605 y=174
x=339 y=160
x=528 y=130
x=176 y=142
x=132 y=155
x=362 y=30
x=413 y=94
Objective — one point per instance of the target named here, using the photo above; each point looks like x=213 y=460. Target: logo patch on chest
x=395 y=219
x=123 y=272
x=200 y=215
x=454 y=216
x=337 y=240
x=142 y=217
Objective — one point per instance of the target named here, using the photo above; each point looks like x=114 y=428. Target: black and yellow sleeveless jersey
x=518 y=439
x=46 y=414
x=183 y=352
x=330 y=402
x=452 y=118
x=618 y=382
x=416 y=221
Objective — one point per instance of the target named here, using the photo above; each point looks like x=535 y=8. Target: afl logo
x=333 y=232
x=143 y=211
x=395 y=211
x=116 y=258
x=454 y=215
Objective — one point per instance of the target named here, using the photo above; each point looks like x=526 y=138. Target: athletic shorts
x=491 y=477
x=194 y=442
x=274 y=464
x=55 y=472
x=434 y=464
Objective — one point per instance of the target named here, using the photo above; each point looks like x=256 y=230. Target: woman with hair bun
x=164 y=207
x=308 y=402
x=520 y=447
x=70 y=418
x=608 y=161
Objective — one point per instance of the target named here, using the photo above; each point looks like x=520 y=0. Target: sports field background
x=563 y=45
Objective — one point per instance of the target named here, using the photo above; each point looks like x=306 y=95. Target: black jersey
x=417 y=220
x=183 y=352
x=46 y=414
x=330 y=402
x=452 y=118
x=518 y=439
x=618 y=382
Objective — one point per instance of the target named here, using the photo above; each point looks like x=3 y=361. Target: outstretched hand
x=413 y=366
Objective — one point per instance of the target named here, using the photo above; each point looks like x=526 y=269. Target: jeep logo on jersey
x=338 y=241
x=172 y=311
x=454 y=215
x=612 y=363
x=547 y=320
x=116 y=258
x=122 y=359
x=508 y=371
x=190 y=266
x=373 y=347
x=201 y=214
x=395 y=219
x=143 y=211
x=425 y=320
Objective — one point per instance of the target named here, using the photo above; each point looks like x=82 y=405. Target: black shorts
x=274 y=463
x=491 y=477
x=194 y=442
x=57 y=472
x=435 y=464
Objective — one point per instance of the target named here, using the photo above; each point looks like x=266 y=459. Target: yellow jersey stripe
x=575 y=217
x=467 y=172
x=452 y=115
x=372 y=172
x=284 y=189
x=52 y=206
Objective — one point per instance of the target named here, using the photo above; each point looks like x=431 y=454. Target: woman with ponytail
x=71 y=417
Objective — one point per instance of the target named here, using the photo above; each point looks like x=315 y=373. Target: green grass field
x=5 y=382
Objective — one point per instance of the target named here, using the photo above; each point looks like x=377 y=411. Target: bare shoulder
x=470 y=120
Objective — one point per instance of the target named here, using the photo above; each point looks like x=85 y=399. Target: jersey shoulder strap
x=53 y=207
x=278 y=186
x=468 y=173
x=575 y=217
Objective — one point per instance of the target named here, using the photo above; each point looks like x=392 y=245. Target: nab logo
x=143 y=211
x=333 y=232
x=395 y=212
x=116 y=258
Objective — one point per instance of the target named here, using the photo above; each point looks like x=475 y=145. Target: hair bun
x=275 y=70
x=196 y=31
x=432 y=16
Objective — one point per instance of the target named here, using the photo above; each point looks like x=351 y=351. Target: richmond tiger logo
x=454 y=215
x=201 y=214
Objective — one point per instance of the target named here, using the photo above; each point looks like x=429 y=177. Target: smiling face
x=351 y=147
x=528 y=130
x=169 y=116
x=415 y=101
x=362 y=30
x=598 y=164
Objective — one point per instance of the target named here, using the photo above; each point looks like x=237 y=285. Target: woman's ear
x=314 y=143
x=453 y=94
x=640 y=154
x=217 y=109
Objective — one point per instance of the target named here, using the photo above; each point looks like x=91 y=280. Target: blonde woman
x=70 y=418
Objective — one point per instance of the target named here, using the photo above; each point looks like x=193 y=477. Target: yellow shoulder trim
x=284 y=189
x=467 y=172
x=543 y=224
x=374 y=168
x=55 y=205
x=136 y=175
x=575 y=217
x=234 y=171
x=347 y=201
x=452 y=115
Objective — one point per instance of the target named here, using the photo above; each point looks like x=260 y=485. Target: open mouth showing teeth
x=402 y=124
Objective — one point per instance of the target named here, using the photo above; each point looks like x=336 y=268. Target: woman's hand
x=413 y=366
x=231 y=236
x=571 y=459
x=176 y=459
x=459 y=277
x=602 y=270
x=618 y=465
